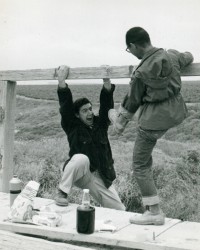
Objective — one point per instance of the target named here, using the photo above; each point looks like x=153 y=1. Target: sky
x=89 y=33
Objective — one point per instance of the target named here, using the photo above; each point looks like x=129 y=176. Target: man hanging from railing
x=90 y=164
x=155 y=88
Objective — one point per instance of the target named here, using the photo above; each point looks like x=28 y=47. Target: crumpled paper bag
x=22 y=209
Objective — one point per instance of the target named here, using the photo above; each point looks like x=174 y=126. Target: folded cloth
x=47 y=219
x=104 y=226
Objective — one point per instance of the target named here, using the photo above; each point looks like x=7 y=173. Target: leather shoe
x=61 y=198
x=148 y=218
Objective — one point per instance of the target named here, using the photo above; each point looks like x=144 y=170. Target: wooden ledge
x=114 y=72
x=174 y=235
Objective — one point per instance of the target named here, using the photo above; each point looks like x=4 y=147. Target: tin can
x=15 y=186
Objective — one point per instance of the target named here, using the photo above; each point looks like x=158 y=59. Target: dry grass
x=41 y=148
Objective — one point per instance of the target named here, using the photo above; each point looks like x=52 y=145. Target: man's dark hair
x=79 y=103
x=137 y=35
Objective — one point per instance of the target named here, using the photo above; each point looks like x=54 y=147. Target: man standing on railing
x=90 y=164
x=154 y=88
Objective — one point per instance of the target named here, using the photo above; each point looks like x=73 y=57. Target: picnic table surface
x=173 y=235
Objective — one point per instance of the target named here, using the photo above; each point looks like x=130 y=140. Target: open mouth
x=89 y=119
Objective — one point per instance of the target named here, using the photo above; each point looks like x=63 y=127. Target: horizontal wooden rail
x=8 y=81
x=74 y=73
x=114 y=72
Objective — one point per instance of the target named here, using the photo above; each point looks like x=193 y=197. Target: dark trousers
x=142 y=164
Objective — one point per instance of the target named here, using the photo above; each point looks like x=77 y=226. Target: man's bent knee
x=80 y=161
x=81 y=158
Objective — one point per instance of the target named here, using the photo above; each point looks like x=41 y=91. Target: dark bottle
x=85 y=217
x=15 y=186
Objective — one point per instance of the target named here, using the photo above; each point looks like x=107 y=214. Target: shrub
x=178 y=186
x=41 y=147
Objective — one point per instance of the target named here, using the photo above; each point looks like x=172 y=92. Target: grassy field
x=41 y=147
x=190 y=91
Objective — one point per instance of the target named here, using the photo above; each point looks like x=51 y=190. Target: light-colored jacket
x=155 y=88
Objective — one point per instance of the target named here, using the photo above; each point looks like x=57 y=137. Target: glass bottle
x=85 y=199
x=15 y=186
x=85 y=216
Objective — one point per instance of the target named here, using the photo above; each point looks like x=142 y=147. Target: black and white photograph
x=100 y=124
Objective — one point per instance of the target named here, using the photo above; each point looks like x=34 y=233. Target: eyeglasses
x=128 y=50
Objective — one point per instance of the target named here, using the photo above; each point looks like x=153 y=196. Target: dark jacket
x=155 y=88
x=93 y=142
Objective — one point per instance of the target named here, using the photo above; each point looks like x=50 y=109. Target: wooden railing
x=8 y=81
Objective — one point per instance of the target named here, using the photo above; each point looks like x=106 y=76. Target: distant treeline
x=190 y=91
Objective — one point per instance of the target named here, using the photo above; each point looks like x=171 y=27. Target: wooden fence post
x=7 y=120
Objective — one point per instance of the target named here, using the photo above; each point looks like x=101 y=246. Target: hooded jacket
x=93 y=142
x=155 y=87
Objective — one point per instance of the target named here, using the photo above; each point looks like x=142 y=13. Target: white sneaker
x=148 y=218
x=118 y=120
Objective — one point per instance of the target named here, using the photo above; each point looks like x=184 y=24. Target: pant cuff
x=150 y=200
x=64 y=189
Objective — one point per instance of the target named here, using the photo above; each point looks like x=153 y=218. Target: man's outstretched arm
x=129 y=106
x=106 y=102
x=65 y=98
